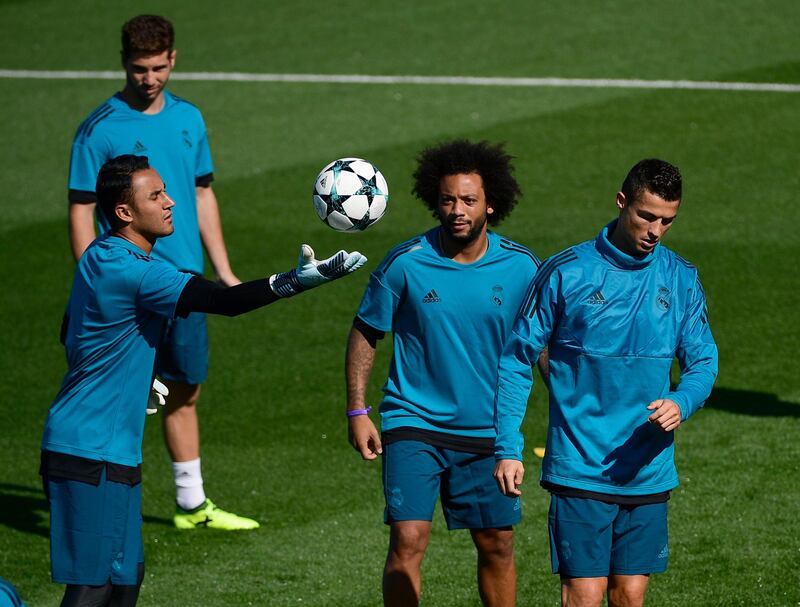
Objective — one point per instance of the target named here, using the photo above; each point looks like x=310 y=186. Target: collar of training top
x=617 y=257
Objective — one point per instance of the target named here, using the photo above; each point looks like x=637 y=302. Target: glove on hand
x=156 y=398
x=311 y=273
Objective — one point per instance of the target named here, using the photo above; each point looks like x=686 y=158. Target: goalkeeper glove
x=156 y=398
x=310 y=273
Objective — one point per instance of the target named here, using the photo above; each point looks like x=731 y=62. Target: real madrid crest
x=497 y=295
x=662 y=298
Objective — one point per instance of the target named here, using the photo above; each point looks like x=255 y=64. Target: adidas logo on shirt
x=431 y=297
x=139 y=147
x=596 y=298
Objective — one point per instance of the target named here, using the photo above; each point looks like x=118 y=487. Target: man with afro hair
x=449 y=297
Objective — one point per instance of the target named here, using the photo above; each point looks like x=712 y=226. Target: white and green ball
x=350 y=194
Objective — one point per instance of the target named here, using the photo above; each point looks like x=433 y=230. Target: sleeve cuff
x=203 y=181
x=82 y=197
x=367 y=330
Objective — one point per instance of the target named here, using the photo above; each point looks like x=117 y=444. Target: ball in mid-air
x=350 y=194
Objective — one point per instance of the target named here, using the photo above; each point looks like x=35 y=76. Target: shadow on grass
x=24 y=509
x=157 y=520
x=748 y=402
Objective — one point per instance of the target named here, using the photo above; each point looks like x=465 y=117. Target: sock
x=188 y=484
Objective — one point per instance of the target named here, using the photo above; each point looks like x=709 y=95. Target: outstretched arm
x=362 y=434
x=210 y=224
x=201 y=295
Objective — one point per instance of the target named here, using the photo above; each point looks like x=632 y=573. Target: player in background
x=145 y=119
x=449 y=297
x=615 y=311
x=9 y=597
x=121 y=299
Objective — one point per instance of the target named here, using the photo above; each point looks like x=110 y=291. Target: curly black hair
x=459 y=157
x=656 y=176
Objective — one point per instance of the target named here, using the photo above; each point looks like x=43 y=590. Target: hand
x=666 y=414
x=228 y=279
x=156 y=398
x=364 y=437
x=508 y=473
x=311 y=273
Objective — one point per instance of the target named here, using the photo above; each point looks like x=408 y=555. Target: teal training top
x=449 y=323
x=119 y=303
x=613 y=325
x=9 y=597
x=176 y=143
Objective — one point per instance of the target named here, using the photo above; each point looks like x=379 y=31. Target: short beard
x=470 y=236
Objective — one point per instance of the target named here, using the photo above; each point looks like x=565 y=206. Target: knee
x=583 y=592
x=625 y=596
x=409 y=543
x=495 y=545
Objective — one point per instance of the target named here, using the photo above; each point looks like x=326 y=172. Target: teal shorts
x=182 y=355
x=95 y=531
x=590 y=538
x=415 y=474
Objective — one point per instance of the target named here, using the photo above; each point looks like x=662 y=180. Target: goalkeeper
x=91 y=449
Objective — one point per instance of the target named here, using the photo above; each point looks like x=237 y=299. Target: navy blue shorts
x=415 y=474
x=183 y=352
x=95 y=531
x=589 y=538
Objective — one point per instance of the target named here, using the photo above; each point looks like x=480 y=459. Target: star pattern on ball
x=355 y=186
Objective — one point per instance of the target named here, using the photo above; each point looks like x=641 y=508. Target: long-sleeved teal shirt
x=613 y=324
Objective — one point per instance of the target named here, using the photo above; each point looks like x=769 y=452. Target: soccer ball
x=350 y=194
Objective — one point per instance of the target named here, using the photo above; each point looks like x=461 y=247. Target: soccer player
x=614 y=311
x=145 y=119
x=449 y=297
x=122 y=297
x=9 y=597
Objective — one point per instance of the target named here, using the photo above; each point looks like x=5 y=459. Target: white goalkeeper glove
x=310 y=273
x=156 y=398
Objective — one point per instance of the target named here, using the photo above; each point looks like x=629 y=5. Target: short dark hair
x=656 y=176
x=462 y=157
x=115 y=184
x=147 y=34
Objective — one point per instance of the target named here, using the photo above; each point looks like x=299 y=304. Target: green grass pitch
x=272 y=411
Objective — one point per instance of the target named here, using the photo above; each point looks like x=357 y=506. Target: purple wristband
x=355 y=412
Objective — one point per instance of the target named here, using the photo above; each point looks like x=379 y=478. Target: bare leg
x=181 y=428
x=627 y=590
x=402 y=578
x=583 y=591
x=497 y=573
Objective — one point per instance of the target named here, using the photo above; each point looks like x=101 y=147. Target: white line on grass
x=700 y=85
